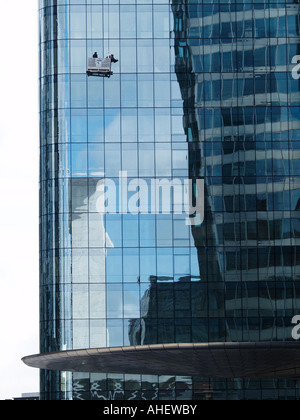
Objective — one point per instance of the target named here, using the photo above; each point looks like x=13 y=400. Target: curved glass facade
x=202 y=90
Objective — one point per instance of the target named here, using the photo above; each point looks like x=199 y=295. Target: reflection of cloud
x=131 y=310
x=99 y=228
x=112 y=125
x=88 y=222
x=89 y=264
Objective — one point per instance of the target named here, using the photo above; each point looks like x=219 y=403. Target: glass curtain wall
x=201 y=90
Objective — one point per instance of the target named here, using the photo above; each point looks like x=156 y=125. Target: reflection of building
x=242 y=123
x=220 y=105
x=170 y=312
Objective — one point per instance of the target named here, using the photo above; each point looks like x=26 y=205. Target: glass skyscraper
x=202 y=90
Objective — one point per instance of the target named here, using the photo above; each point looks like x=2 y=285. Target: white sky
x=19 y=311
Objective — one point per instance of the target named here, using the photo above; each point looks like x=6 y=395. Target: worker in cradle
x=113 y=58
x=95 y=55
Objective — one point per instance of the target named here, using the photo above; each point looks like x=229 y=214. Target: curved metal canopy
x=219 y=360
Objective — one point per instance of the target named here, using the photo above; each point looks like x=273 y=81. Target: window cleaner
x=100 y=67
